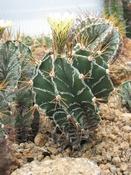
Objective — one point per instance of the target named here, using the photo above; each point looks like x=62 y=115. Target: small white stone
x=127 y=128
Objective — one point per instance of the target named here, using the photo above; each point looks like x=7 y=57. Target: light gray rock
x=59 y=166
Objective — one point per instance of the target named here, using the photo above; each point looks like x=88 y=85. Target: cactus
x=24 y=98
x=114 y=12
x=100 y=38
x=95 y=76
x=127 y=16
x=10 y=70
x=16 y=71
x=125 y=93
x=67 y=88
x=9 y=76
x=114 y=7
x=61 y=92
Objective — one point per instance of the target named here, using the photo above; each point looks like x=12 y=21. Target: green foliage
x=125 y=93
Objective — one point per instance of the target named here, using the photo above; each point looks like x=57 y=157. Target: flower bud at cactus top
x=5 y=24
x=60 y=33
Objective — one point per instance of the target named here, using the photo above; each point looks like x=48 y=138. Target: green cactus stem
x=101 y=39
x=95 y=76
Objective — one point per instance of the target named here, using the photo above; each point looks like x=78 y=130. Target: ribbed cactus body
x=24 y=96
x=44 y=87
x=26 y=61
x=24 y=114
x=114 y=12
x=75 y=95
x=10 y=70
x=114 y=7
x=66 y=98
x=16 y=72
x=94 y=75
x=101 y=39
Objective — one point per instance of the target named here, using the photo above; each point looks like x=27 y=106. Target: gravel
x=60 y=166
x=109 y=148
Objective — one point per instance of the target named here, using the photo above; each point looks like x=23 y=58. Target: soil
x=110 y=148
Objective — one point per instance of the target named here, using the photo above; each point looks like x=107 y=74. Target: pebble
x=40 y=140
x=124 y=145
x=108 y=156
x=123 y=166
x=113 y=169
x=60 y=166
x=127 y=128
x=116 y=161
x=40 y=157
x=126 y=117
x=129 y=138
